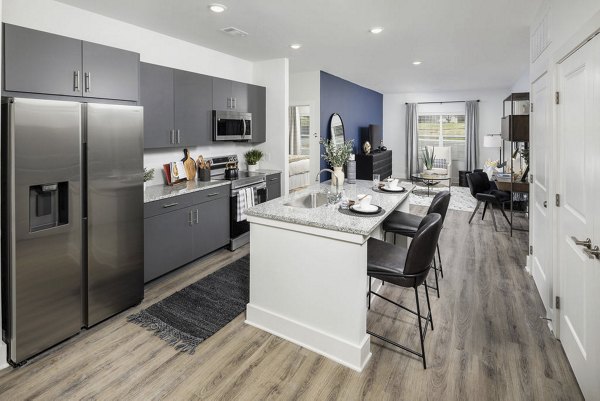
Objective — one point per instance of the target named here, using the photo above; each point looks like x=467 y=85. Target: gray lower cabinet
x=110 y=73
x=175 y=232
x=168 y=242
x=193 y=108
x=273 y=186
x=257 y=105
x=156 y=95
x=41 y=62
x=212 y=226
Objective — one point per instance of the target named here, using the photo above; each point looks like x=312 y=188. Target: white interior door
x=541 y=218
x=578 y=131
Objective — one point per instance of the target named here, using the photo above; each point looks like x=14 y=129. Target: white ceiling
x=464 y=44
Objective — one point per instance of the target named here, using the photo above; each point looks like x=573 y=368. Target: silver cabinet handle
x=213 y=194
x=587 y=243
x=76 y=81
x=170 y=205
x=178 y=136
x=228 y=102
x=593 y=253
x=191 y=217
x=88 y=81
x=273 y=179
x=234 y=100
x=197 y=216
x=171 y=136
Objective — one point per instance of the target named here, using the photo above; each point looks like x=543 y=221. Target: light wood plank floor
x=489 y=343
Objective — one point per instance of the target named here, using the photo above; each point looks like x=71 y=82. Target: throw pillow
x=440 y=163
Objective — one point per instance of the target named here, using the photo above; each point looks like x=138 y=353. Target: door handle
x=545 y=203
x=593 y=253
x=197 y=216
x=244 y=122
x=172 y=136
x=171 y=205
x=228 y=102
x=191 y=217
x=88 y=81
x=178 y=136
x=76 y=81
x=587 y=243
x=213 y=194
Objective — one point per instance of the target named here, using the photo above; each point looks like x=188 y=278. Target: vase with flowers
x=337 y=155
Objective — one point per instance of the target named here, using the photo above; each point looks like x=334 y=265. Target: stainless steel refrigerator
x=72 y=218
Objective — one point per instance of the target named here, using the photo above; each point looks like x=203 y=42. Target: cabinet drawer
x=211 y=193
x=167 y=205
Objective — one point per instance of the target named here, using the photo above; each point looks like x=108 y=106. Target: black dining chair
x=486 y=191
x=406 y=268
x=407 y=224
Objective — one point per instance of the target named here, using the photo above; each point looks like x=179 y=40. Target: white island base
x=308 y=285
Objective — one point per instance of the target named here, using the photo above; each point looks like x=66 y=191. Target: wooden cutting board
x=189 y=164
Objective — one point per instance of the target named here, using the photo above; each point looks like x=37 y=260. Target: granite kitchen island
x=308 y=271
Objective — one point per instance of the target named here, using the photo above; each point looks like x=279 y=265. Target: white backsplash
x=155 y=158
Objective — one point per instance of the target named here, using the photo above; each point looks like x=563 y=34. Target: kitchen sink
x=309 y=201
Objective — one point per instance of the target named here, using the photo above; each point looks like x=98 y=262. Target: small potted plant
x=148 y=175
x=252 y=157
x=337 y=156
x=428 y=159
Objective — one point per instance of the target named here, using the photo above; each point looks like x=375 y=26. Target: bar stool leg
x=437 y=284
x=369 y=295
x=420 y=328
x=440 y=259
x=429 y=307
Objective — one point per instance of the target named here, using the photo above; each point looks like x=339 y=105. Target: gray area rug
x=191 y=315
x=460 y=199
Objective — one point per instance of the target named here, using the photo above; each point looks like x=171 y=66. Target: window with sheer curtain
x=443 y=129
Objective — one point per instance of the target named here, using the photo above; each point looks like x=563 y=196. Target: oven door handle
x=235 y=192
x=244 y=121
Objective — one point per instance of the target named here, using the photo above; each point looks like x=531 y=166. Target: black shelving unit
x=515 y=131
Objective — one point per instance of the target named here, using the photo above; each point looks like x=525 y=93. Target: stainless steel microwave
x=232 y=126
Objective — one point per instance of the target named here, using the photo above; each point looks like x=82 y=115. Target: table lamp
x=493 y=141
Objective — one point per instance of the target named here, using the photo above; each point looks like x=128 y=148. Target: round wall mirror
x=336 y=129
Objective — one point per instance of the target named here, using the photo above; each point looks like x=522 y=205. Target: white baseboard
x=354 y=356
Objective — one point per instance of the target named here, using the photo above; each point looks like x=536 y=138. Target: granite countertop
x=328 y=217
x=158 y=192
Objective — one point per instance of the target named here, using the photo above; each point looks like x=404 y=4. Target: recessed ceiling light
x=376 y=30
x=217 y=8
x=296 y=46
x=417 y=62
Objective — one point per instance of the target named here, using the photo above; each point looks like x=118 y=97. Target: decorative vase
x=339 y=173
x=252 y=167
x=204 y=174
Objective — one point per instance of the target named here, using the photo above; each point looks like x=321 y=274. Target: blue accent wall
x=357 y=106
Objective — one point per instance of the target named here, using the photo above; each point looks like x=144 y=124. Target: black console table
x=374 y=163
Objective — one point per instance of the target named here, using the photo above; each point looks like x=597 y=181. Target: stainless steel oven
x=232 y=126
x=240 y=230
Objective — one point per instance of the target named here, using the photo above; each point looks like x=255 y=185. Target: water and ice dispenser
x=48 y=205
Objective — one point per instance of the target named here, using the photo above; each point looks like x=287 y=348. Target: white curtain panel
x=412 y=139
x=472 y=132
x=295 y=145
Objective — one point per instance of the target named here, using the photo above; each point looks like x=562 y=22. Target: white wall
x=523 y=84
x=305 y=89
x=156 y=48
x=274 y=74
x=394 y=120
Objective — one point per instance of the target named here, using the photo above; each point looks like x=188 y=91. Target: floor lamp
x=493 y=141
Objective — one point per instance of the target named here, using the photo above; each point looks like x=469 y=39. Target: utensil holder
x=204 y=174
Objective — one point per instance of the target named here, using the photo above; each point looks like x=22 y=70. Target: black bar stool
x=407 y=224
x=487 y=192
x=406 y=268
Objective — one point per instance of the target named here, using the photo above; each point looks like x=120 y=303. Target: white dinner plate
x=388 y=189
x=367 y=209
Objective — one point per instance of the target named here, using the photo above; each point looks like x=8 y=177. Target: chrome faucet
x=337 y=183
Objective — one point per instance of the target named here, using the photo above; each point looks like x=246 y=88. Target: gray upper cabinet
x=110 y=73
x=230 y=95
x=156 y=95
x=257 y=104
x=193 y=107
x=40 y=62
